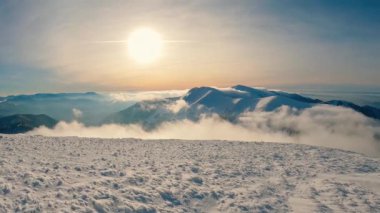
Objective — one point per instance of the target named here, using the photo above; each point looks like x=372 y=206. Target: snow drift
x=71 y=174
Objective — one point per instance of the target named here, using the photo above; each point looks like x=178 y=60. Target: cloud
x=63 y=34
x=320 y=125
x=145 y=95
x=77 y=114
x=177 y=106
x=328 y=126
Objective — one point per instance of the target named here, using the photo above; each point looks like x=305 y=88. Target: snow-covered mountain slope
x=228 y=103
x=71 y=174
x=227 y=100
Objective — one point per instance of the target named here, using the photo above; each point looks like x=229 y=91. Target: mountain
x=146 y=113
x=227 y=103
x=368 y=111
x=22 y=123
x=94 y=106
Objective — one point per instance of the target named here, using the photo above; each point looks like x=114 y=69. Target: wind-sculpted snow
x=70 y=174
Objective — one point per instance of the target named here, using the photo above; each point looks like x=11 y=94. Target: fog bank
x=328 y=126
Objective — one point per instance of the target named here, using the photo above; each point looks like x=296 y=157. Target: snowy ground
x=130 y=175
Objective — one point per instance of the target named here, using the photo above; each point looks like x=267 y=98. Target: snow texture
x=71 y=174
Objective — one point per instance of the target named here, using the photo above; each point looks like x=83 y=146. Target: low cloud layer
x=321 y=125
x=145 y=95
x=77 y=114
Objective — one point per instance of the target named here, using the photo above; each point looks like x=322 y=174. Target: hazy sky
x=53 y=46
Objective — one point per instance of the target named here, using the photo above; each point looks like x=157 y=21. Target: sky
x=61 y=46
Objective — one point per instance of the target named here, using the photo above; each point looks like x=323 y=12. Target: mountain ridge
x=21 y=123
x=228 y=103
x=94 y=106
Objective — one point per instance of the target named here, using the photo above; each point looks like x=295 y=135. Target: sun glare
x=144 y=45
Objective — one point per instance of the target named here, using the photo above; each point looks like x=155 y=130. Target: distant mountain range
x=94 y=106
x=22 y=112
x=24 y=122
x=227 y=103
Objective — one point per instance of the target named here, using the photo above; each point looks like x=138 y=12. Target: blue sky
x=50 y=46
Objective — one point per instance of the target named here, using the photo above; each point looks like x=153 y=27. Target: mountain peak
x=197 y=93
x=254 y=92
x=241 y=87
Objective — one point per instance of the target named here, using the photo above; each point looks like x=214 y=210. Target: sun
x=145 y=45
